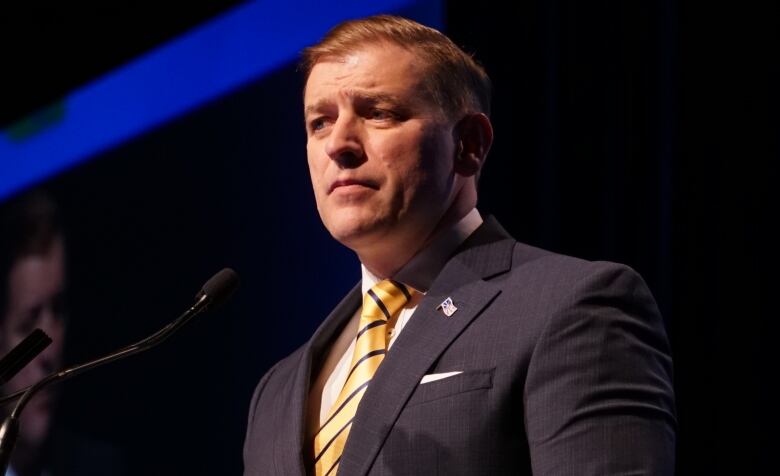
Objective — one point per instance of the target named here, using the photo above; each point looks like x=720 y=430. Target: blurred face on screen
x=35 y=287
x=380 y=151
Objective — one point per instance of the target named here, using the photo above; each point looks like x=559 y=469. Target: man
x=462 y=351
x=32 y=279
x=32 y=287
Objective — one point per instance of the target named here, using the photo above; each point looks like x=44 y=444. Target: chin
x=35 y=428
x=352 y=231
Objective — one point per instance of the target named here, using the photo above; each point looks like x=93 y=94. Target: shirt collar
x=423 y=268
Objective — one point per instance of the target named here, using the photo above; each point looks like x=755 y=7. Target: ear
x=473 y=138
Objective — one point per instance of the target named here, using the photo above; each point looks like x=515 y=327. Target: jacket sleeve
x=598 y=394
x=249 y=460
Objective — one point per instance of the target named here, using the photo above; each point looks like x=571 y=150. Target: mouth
x=351 y=183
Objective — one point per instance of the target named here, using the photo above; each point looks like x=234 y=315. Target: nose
x=52 y=323
x=345 y=142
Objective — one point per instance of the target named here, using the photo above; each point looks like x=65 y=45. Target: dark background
x=643 y=132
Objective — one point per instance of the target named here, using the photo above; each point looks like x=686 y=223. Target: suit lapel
x=424 y=339
x=296 y=434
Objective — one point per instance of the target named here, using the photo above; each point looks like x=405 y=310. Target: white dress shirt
x=418 y=273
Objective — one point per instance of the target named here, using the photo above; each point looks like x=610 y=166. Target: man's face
x=380 y=152
x=35 y=286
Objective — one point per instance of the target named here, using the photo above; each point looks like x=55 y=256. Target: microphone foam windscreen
x=23 y=354
x=220 y=287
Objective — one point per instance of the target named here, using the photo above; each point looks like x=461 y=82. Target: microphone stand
x=10 y=427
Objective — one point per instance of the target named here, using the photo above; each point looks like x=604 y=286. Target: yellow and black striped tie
x=381 y=305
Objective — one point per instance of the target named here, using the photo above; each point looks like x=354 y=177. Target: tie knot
x=386 y=298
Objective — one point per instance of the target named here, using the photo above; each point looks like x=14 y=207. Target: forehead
x=36 y=278
x=381 y=69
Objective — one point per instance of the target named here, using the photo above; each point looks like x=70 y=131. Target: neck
x=389 y=256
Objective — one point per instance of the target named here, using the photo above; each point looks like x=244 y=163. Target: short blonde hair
x=455 y=81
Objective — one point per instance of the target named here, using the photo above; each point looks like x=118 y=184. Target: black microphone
x=22 y=354
x=219 y=288
x=215 y=292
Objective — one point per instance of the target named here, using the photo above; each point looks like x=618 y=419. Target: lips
x=348 y=182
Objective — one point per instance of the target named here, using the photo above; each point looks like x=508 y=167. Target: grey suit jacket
x=566 y=371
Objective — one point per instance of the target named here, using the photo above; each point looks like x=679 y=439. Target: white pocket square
x=435 y=377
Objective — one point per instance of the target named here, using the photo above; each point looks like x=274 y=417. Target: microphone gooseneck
x=215 y=292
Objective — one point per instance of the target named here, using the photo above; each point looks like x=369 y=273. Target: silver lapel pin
x=447 y=307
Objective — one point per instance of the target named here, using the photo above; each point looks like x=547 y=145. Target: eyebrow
x=355 y=95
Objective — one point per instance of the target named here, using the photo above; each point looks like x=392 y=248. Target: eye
x=382 y=115
x=317 y=124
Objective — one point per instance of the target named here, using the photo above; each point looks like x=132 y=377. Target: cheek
x=316 y=172
x=418 y=171
x=438 y=146
x=400 y=157
x=56 y=330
